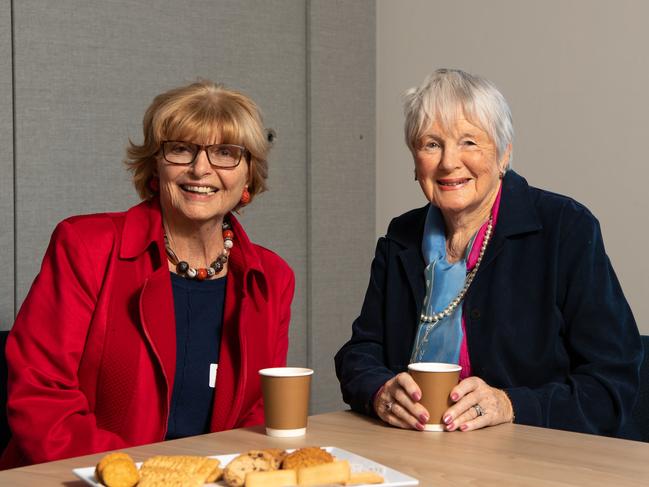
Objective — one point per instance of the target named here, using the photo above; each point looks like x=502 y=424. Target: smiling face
x=458 y=168
x=199 y=192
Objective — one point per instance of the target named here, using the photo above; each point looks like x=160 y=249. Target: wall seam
x=309 y=253
x=14 y=171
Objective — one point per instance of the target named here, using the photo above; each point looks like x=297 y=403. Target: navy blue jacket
x=546 y=319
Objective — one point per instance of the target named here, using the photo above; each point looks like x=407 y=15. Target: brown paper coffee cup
x=286 y=400
x=436 y=380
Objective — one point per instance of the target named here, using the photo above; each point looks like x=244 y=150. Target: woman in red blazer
x=140 y=322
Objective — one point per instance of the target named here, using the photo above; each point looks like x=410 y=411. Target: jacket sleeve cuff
x=527 y=409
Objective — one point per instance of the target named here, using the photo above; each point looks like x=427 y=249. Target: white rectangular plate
x=358 y=463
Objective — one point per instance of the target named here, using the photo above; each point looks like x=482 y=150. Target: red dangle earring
x=245 y=196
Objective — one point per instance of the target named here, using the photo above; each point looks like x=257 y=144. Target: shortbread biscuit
x=328 y=473
x=235 y=472
x=273 y=478
x=307 y=457
x=120 y=472
x=364 y=478
x=215 y=475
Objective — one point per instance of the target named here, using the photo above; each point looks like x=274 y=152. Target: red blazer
x=92 y=353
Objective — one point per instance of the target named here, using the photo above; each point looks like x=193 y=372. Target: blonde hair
x=196 y=112
x=447 y=91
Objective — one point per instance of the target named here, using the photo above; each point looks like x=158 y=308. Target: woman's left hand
x=473 y=396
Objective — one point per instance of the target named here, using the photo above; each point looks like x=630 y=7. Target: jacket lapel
x=143 y=235
x=516 y=215
x=413 y=266
x=158 y=320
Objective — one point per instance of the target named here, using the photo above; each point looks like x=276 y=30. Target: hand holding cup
x=397 y=403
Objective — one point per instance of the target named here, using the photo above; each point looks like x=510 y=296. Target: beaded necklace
x=202 y=273
x=433 y=319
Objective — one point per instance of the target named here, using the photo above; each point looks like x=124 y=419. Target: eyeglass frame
x=203 y=147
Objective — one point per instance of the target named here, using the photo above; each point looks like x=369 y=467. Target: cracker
x=153 y=476
x=203 y=466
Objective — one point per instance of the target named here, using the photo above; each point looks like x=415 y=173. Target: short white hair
x=447 y=92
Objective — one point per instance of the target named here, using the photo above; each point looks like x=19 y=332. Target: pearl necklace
x=434 y=318
x=202 y=273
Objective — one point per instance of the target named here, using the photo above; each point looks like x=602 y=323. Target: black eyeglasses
x=219 y=155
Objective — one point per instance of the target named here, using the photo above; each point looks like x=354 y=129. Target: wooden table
x=499 y=456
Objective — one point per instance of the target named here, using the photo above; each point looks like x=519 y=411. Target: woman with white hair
x=509 y=281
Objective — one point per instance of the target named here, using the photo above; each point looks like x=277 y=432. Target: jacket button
x=475 y=314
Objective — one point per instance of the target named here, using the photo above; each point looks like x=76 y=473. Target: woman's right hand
x=397 y=403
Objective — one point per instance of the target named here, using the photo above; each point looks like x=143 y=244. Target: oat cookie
x=307 y=457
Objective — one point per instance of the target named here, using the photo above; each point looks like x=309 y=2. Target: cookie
x=109 y=458
x=307 y=457
x=235 y=472
x=278 y=456
x=120 y=472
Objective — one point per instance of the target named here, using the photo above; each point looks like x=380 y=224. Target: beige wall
x=576 y=74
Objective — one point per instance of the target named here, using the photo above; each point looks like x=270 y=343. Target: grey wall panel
x=341 y=72
x=85 y=72
x=6 y=172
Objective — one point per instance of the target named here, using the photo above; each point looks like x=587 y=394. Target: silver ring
x=478 y=410
x=388 y=406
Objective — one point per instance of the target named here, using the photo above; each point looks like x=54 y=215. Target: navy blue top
x=199 y=321
x=546 y=319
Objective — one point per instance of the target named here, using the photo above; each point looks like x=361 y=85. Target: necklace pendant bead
x=183 y=268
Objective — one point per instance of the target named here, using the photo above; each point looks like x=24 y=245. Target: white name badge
x=213 y=368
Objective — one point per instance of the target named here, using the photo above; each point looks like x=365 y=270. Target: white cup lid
x=434 y=367
x=286 y=372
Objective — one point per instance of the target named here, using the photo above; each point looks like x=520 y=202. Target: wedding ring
x=388 y=406
x=478 y=409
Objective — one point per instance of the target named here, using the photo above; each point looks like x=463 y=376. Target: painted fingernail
x=423 y=418
x=454 y=396
x=464 y=427
x=450 y=427
x=416 y=396
x=420 y=426
x=448 y=419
